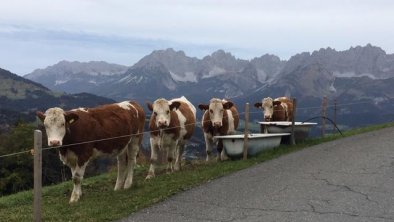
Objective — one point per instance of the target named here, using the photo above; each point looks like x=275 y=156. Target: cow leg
x=77 y=176
x=208 y=145
x=220 y=149
x=122 y=162
x=154 y=149
x=171 y=149
x=132 y=151
x=179 y=152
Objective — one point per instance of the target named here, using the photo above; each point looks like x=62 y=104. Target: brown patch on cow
x=103 y=122
x=280 y=113
x=223 y=130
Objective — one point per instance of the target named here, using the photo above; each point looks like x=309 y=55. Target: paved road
x=351 y=179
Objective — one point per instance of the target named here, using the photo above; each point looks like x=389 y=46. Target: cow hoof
x=73 y=199
x=150 y=176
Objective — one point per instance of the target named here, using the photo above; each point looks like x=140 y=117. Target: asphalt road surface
x=351 y=179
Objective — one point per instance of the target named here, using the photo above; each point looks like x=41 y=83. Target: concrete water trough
x=257 y=142
x=301 y=129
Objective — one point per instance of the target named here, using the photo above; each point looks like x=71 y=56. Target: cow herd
x=117 y=130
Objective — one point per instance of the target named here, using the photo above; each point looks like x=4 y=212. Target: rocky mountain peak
x=66 y=68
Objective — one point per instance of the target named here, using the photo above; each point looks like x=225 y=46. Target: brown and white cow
x=84 y=133
x=172 y=123
x=220 y=118
x=279 y=109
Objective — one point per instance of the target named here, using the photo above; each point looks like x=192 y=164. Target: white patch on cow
x=161 y=111
x=55 y=125
x=268 y=108
x=77 y=174
x=183 y=99
x=70 y=159
x=284 y=106
x=216 y=111
x=124 y=105
x=81 y=109
x=136 y=110
x=231 y=127
x=182 y=121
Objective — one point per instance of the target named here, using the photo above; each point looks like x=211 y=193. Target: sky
x=39 y=33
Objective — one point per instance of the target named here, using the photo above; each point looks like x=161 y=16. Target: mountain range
x=220 y=74
x=361 y=75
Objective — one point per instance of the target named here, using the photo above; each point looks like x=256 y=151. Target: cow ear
x=71 y=117
x=258 y=105
x=228 y=105
x=275 y=103
x=40 y=115
x=149 y=105
x=175 y=105
x=203 y=107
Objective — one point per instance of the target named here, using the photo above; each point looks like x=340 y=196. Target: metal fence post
x=37 y=176
x=292 y=141
x=246 y=132
x=324 y=116
x=335 y=117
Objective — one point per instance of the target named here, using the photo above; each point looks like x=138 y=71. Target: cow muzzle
x=267 y=118
x=162 y=124
x=217 y=124
x=54 y=143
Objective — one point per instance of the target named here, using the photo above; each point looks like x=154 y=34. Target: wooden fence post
x=37 y=176
x=324 y=116
x=334 y=129
x=246 y=132
x=292 y=141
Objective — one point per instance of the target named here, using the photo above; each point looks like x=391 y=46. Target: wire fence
x=198 y=123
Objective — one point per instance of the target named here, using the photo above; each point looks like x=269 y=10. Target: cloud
x=123 y=31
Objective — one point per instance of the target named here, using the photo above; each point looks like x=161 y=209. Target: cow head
x=216 y=109
x=56 y=122
x=267 y=105
x=161 y=109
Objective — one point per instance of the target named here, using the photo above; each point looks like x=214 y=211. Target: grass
x=100 y=203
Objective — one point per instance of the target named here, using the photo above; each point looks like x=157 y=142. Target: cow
x=279 y=109
x=220 y=118
x=81 y=134
x=171 y=125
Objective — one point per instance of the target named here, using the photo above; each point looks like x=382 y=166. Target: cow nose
x=54 y=143
x=162 y=123
x=217 y=124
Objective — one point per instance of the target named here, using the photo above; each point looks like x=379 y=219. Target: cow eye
x=211 y=111
x=155 y=113
x=221 y=110
x=271 y=107
x=168 y=111
x=62 y=124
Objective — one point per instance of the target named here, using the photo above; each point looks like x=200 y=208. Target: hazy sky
x=38 y=33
